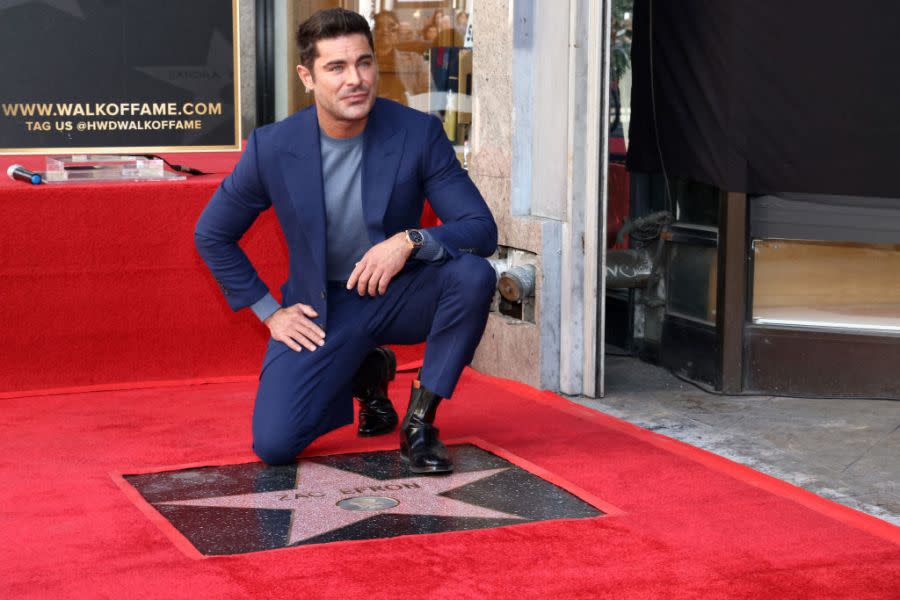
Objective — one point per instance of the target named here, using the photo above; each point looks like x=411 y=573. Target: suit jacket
x=406 y=158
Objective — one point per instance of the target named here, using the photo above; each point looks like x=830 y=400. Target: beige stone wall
x=509 y=348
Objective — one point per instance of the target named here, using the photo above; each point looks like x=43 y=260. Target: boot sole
x=376 y=433
x=425 y=470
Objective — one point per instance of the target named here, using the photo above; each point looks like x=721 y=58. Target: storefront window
x=826 y=285
x=424 y=54
x=692 y=282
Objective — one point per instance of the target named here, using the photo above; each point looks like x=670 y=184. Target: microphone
x=20 y=173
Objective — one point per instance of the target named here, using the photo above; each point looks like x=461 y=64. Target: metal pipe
x=517 y=283
x=628 y=268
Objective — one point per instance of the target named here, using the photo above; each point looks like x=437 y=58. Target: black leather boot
x=376 y=413
x=419 y=443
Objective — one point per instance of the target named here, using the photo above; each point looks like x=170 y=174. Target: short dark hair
x=328 y=24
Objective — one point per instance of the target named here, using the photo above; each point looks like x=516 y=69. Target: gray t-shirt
x=347 y=238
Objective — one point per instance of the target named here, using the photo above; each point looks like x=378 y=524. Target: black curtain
x=766 y=97
x=265 y=62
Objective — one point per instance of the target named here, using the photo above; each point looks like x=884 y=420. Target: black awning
x=766 y=97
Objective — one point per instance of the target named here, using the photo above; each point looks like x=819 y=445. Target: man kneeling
x=347 y=178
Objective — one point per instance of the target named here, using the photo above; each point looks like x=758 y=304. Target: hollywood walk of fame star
x=71 y=7
x=326 y=499
x=198 y=80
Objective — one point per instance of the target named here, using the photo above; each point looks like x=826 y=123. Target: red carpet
x=692 y=525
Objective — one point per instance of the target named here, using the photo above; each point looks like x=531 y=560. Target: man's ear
x=306 y=77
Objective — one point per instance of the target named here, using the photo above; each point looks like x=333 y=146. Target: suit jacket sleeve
x=468 y=226
x=228 y=215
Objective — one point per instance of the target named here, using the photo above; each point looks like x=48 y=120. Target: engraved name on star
x=314 y=500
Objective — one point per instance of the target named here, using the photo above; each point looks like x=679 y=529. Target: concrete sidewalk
x=844 y=450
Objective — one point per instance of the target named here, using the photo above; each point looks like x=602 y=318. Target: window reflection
x=424 y=54
x=402 y=65
x=620 y=77
x=619 y=182
x=425 y=61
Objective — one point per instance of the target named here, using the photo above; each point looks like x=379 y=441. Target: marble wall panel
x=247 y=22
x=493 y=104
x=510 y=349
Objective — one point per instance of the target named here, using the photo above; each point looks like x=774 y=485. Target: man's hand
x=375 y=270
x=292 y=325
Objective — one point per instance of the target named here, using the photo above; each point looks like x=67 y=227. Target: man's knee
x=280 y=447
x=273 y=453
x=474 y=277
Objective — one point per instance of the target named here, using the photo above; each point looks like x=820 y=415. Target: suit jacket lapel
x=302 y=171
x=382 y=151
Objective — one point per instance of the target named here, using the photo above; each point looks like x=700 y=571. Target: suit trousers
x=303 y=395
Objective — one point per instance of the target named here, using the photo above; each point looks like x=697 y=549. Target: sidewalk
x=845 y=450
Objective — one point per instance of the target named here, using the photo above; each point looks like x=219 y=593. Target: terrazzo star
x=315 y=514
x=348 y=178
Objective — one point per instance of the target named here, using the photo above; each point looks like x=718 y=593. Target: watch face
x=416 y=237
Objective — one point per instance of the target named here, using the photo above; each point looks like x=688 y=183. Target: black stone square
x=252 y=507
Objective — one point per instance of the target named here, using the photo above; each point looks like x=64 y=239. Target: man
x=347 y=178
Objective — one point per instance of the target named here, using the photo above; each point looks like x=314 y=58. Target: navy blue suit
x=406 y=158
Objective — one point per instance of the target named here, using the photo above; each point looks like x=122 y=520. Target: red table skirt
x=101 y=283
